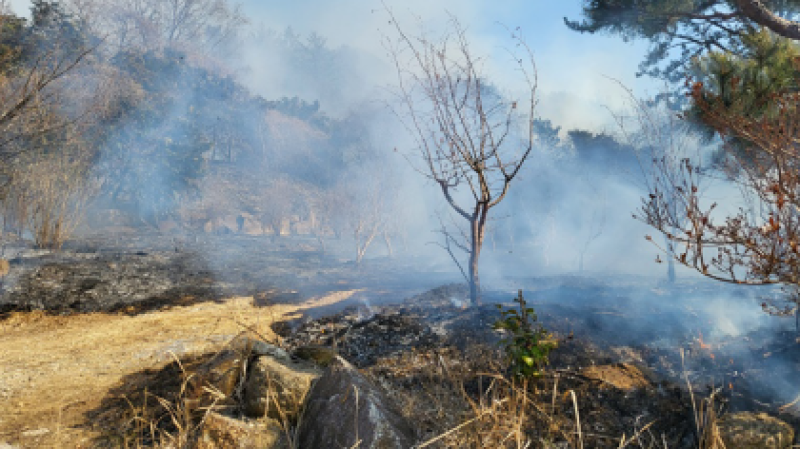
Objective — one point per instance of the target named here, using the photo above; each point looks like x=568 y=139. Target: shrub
x=527 y=344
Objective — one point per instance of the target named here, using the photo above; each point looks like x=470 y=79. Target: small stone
x=250 y=347
x=219 y=431
x=320 y=355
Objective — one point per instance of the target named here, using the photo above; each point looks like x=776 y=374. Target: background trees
x=198 y=27
x=44 y=156
x=753 y=246
x=745 y=93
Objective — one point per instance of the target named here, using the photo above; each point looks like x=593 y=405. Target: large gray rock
x=344 y=408
x=754 y=430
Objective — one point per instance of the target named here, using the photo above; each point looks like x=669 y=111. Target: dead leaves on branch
x=757 y=244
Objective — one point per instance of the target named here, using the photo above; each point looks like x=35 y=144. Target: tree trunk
x=477 y=229
x=388 y=241
x=474 y=278
x=670 y=259
x=671 y=271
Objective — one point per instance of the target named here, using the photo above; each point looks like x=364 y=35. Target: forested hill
x=145 y=116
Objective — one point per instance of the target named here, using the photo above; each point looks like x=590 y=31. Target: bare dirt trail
x=55 y=369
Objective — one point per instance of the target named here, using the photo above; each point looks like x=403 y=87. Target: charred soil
x=87 y=332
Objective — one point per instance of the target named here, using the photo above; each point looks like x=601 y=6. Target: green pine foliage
x=675 y=29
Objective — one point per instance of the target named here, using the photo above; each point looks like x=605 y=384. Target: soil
x=81 y=328
x=85 y=331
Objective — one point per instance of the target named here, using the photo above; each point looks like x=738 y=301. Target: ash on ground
x=141 y=272
x=435 y=358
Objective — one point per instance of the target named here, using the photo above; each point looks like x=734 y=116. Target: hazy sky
x=573 y=68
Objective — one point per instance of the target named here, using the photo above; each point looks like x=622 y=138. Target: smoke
x=296 y=132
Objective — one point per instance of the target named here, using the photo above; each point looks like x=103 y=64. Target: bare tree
x=467 y=135
x=154 y=24
x=596 y=226
x=26 y=90
x=663 y=145
x=372 y=207
x=754 y=246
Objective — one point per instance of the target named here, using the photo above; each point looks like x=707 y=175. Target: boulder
x=276 y=385
x=746 y=430
x=344 y=409
x=223 y=432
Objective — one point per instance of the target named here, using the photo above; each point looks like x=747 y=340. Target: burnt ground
x=137 y=273
x=425 y=348
x=597 y=324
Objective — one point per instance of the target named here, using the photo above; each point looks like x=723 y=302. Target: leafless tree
x=745 y=247
x=596 y=226
x=663 y=146
x=372 y=209
x=43 y=156
x=468 y=139
x=26 y=91
x=153 y=24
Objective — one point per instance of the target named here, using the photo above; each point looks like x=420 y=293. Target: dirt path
x=55 y=369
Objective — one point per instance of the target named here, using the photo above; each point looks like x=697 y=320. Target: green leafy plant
x=527 y=345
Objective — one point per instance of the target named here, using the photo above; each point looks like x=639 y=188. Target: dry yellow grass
x=55 y=369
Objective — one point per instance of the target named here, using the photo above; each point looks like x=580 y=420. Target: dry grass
x=706 y=413
x=462 y=404
x=459 y=400
x=57 y=370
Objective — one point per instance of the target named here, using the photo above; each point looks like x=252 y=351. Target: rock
x=4 y=267
x=222 y=432
x=344 y=408
x=746 y=430
x=622 y=376
x=320 y=355
x=277 y=386
x=213 y=385
x=250 y=225
x=302 y=227
x=252 y=347
x=222 y=225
